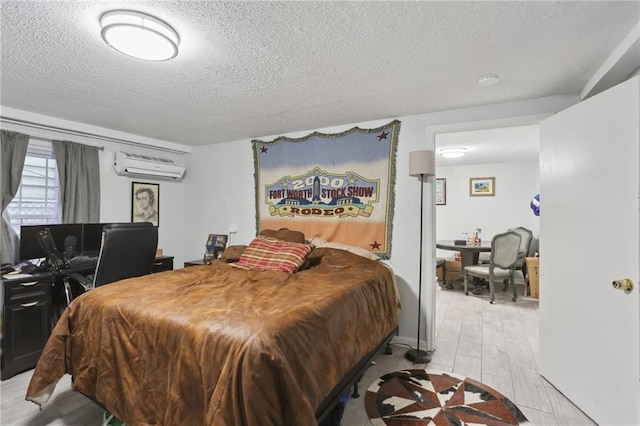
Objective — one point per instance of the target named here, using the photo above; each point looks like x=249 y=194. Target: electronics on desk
x=87 y=237
x=70 y=243
x=5 y=268
x=55 y=260
x=92 y=238
x=30 y=247
x=83 y=261
x=19 y=268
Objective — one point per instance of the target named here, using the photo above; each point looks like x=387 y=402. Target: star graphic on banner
x=350 y=208
x=375 y=245
x=352 y=180
x=285 y=184
x=263 y=149
x=382 y=135
x=284 y=209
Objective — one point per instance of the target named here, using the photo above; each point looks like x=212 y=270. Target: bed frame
x=352 y=378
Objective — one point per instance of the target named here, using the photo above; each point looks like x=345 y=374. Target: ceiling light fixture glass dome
x=489 y=80
x=453 y=152
x=139 y=35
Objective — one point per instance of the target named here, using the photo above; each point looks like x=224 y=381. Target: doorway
x=507 y=158
x=433 y=134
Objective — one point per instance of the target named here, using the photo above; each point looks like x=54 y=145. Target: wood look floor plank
x=472 y=348
x=520 y=354
x=502 y=384
x=495 y=361
x=492 y=335
x=468 y=366
x=540 y=418
x=529 y=389
x=445 y=352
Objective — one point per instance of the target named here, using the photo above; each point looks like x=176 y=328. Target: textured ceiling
x=250 y=69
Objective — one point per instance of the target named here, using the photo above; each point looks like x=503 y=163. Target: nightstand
x=163 y=263
x=193 y=263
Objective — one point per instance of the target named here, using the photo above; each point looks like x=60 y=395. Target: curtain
x=13 y=151
x=79 y=176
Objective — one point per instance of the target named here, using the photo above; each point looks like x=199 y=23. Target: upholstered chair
x=502 y=263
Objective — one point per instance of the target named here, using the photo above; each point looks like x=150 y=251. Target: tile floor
x=495 y=344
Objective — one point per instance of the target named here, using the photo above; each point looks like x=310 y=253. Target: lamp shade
x=422 y=163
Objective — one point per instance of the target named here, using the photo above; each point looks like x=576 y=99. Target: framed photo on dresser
x=215 y=246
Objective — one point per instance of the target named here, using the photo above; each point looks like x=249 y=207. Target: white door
x=589 y=237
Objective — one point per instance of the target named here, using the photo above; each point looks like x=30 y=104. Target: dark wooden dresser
x=26 y=322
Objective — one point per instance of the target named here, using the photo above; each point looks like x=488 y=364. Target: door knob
x=624 y=284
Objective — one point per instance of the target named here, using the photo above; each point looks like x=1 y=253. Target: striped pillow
x=271 y=254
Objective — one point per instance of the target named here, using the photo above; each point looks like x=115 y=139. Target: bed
x=220 y=345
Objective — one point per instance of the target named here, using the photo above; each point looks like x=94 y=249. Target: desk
x=58 y=297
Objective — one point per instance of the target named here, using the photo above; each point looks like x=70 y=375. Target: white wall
x=115 y=191
x=116 y=199
x=220 y=192
x=515 y=185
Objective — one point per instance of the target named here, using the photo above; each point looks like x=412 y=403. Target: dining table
x=469 y=254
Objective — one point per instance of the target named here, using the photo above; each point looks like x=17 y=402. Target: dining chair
x=523 y=252
x=441 y=263
x=504 y=255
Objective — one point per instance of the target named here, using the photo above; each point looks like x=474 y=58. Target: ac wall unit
x=127 y=164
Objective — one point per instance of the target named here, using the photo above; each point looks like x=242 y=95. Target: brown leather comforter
x=217 y=345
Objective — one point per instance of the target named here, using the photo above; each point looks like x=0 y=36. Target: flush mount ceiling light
x=489 y=80
x=453 y=152
x=139 y=35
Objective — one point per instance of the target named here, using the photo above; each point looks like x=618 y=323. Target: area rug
x=424 y=397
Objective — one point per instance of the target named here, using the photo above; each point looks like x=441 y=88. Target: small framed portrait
x=216 y=244
x=482 y=186
x=441 y=191
x=145 y=202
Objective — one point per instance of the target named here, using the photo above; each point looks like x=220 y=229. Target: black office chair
x=128 y=250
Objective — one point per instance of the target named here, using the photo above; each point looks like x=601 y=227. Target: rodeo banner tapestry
x=339 y=187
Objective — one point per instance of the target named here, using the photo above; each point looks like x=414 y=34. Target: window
x=37 y=200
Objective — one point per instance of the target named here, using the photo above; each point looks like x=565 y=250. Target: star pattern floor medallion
x=422 y=397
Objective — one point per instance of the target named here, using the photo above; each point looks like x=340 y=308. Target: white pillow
x=319 y=242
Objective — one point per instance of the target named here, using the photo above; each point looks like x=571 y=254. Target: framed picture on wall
x=441 y=191
x=482 y=186
x=145 y=202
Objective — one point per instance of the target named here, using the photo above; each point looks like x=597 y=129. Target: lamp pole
x=416 y=355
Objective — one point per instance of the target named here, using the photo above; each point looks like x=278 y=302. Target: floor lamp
x=421 y=163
